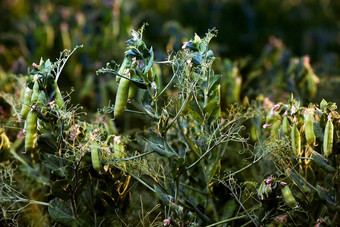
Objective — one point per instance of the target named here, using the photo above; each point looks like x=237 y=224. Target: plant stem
x=134 y=157
x=227 y=220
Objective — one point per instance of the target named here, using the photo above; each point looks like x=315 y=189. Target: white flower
x=185 y=45
x=116 y=139
x=166 y=222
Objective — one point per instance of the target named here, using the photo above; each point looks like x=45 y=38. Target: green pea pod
x=276 y=126
x=285 y=125
x=58 y=97
x=288 y=197
x=268 y=191
x=121 y=98
x=296 y=140
x=328 y=138
x=133 y=89
x=119 y=150
x=159 y=150
x=125 y=65
x=42 y=98
x=309 y=131
x=31 y=131
x=321 y=161
x=26 y=103
x=42 y=101
x=35 y=93
x=260 y=191
x=95 y=157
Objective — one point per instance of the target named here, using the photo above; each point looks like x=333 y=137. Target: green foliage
x=194 y=159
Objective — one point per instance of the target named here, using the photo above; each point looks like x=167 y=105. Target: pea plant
x=192 y=157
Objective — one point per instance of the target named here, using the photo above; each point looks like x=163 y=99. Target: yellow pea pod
x=5 y=146
x=328 y=138
x=31 y=131
x=95 y=158
x=121 y=98
x=26 y=103
x=288 y=197
x=296 y=140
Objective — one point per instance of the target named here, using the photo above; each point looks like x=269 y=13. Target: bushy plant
x=190 y=160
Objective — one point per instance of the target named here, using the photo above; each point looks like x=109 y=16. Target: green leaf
x=150 y=62
x=47 y=143
x=214 y=169
x=212 y=111
x=61 y=212
x=55 y=163
x=61 y=189
x=214 y=81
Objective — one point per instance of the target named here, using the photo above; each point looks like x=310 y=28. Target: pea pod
x=321 y=161
x=5 y=146
x=288 y=197
x=41 y=102
x=296 y=140
x=26 y=103
x=328 y=138
x=275 y=127
x=285 y=125
x=95 y=157
x=35 y=93
x=125 y=65
x=133 y=89
x=260 y=191
x=119 y=150
x=41 y=98
x=58 y=97
x=31 y=131
x=121 y=98
x=309 y=131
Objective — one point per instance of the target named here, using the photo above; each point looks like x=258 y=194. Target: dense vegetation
x=135 y=125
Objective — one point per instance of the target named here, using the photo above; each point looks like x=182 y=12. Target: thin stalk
x=173 y=77
x=181 y=109
x=227 y=220
x=142 y=182
x=200 y=158
x=134 y=157
x=30 y=201
x=59 y=69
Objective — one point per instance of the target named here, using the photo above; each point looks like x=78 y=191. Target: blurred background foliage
x=257 y=37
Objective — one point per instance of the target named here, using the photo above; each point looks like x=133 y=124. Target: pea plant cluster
x=195 y=161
